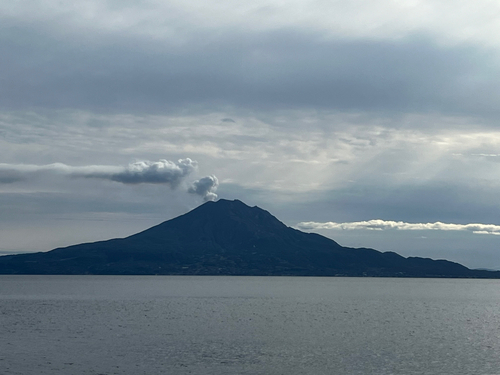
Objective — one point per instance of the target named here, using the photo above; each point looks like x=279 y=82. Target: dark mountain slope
x=228 y=238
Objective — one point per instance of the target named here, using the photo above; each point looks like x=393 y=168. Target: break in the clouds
x=400 y=225
x=141 y=172
x=205 y=187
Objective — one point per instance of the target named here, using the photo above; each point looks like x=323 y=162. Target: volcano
x=228 y=238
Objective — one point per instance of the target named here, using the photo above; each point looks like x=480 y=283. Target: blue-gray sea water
x=248 y=325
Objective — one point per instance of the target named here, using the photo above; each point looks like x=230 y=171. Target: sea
x=248 y=325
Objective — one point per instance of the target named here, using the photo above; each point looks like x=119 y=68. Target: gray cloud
x=10 y=176
x=205 y=187
x=160 y=172
x=432 y=201
x=268 y=70
x=147 y=172
x=400 y=225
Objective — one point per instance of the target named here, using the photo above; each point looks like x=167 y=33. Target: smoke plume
x=205 y=187
x=147 y=172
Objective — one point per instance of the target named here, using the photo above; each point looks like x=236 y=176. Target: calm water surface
x=248 y=325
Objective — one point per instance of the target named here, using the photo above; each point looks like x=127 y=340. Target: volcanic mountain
x=228 y=238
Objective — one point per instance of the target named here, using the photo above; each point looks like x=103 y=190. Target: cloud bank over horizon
x=378 y=224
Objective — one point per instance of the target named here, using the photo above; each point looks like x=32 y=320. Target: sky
x=375 y=123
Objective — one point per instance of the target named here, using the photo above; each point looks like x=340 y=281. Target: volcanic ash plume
x=205 y=187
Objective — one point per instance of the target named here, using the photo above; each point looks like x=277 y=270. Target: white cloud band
x=400 y=225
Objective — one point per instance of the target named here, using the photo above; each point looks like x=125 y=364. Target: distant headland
x=229 y=238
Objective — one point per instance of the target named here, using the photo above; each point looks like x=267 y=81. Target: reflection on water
x=248 y=325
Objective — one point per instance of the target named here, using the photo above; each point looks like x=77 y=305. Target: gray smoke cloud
x=205 y=187
x=147 y=172
x=141 y=172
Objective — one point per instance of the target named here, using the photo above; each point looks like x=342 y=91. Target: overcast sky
x=375 y=123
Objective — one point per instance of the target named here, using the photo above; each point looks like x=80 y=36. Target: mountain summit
x=228 y=238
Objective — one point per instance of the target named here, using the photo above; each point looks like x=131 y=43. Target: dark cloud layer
x=10 y=176
x=279 y=69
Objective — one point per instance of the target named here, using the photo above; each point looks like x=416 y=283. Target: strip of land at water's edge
x=229 y=238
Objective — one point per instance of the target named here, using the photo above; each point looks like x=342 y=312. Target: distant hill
x=228 y=238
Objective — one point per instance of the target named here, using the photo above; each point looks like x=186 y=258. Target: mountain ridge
x=228 y=237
